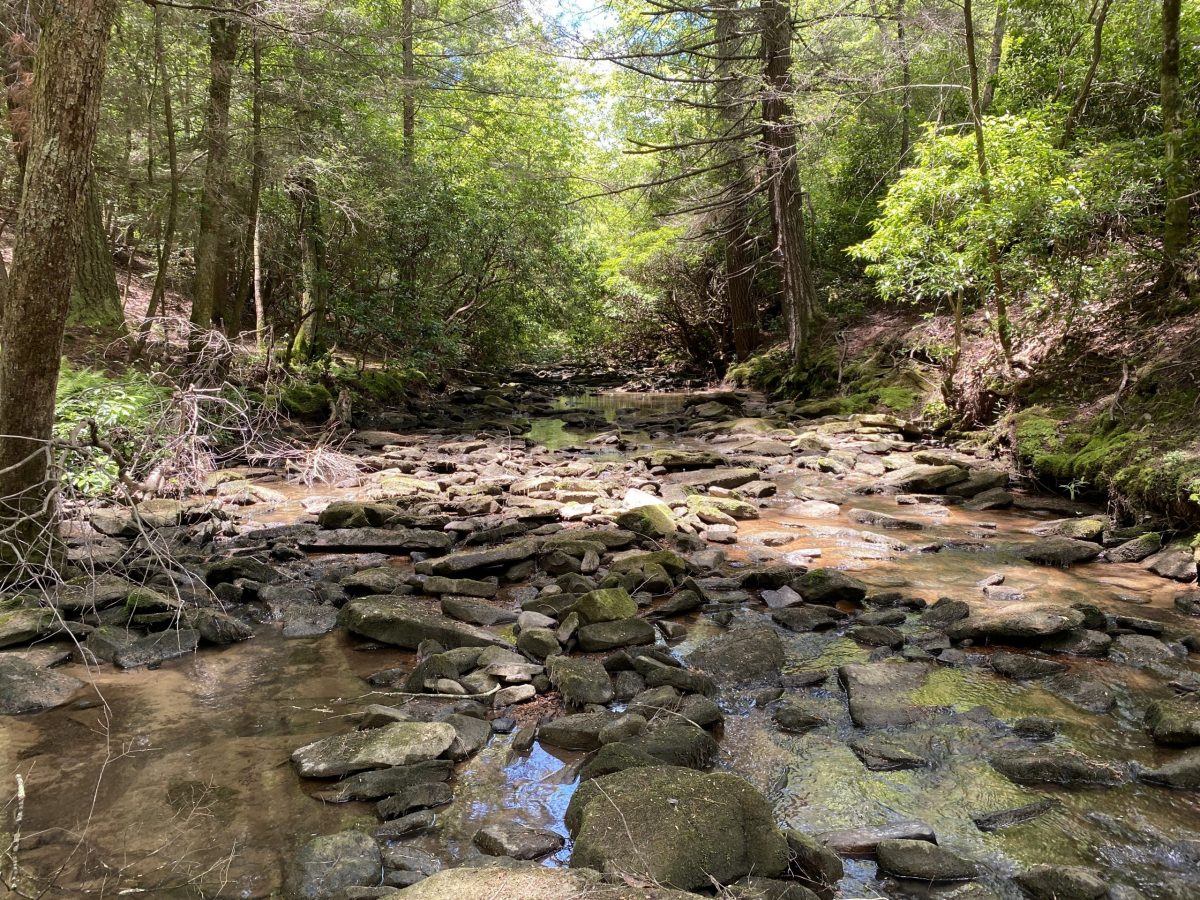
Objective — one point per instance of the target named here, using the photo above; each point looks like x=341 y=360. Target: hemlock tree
x=63 y=112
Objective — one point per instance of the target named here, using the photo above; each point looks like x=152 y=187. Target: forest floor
x=527 y=618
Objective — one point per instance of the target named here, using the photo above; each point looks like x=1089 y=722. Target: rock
x=329 y=864
x=1059 y=882
x=425 y=795
x=882 y=520
x=829 y=587
x=529 y=882
x=154 y=649
x=782 y=598
x=472 y=560
x=863 y=841
x=576 y=732
x=945 y=612
x=676 y=743
x=517 y=841
x=675 y=826
x=879 y=693
x=400 y=744
x=1176 y=563
x=517 y=693
x=1057 y=766
x=352 y=514
x=1135 y=550
x=229 y=570
x=1022 y=667
x=813 y=864
x=476 y=612
x=607 y=605
x=392 y=541
x=1021 y=620
x=470 y=736
x=406 y=825
x=921 y=479
x=650 y=519
x=744 y=654
x=217 y=627
x=729 y=478
x=530 y=619
x=376 y=580
x=376 y=783
x=679 y=460
x=1056 y=551
x=21 y=626
x=309 y=621
x=1140 y=650
x=540 y=643
x=25 y=688
x=611 y=635
x=994 y=498
x=407 y=621
x=995 y=821
x=1175 y=723
x=885 y=752
x=1083 y=690
x=806 y=618
x=1078 y=642
x=923 y=860
x=876 y=636
x=1181 y=772
x=580 y=681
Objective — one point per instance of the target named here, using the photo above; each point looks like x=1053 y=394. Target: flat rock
x=394 y=541
x=603 y=636
x=25 y=688
x=400 y=744
x=1058 y=882
x=20 y=626
x=748 y=653
x=407 y=621
x=376 y=783
x=1055 y=766
x=473 y=560
x=154 y=649
x=879 y=693
x=580 y=680
x=1175 y=723
x=530 y=883
x=1021 y=620
x=1056 y=551
x=863 y=841
x=1181 y=772
x=476 y=612
x=922 y=860
x=517 y=841
x=331 y=863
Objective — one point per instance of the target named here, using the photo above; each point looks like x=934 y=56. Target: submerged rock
x=676 y=827
x=401 y=744
x=863 y=841
x=1056 y=766
x=329 y=864
x=1057 y=882
x=879 y=693
x=1020 y=620
x=748 y=653
x=517 y=841
x=1181 y=772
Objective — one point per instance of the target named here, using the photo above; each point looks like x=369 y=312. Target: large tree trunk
x=787 y=212
x=1175 y=229
x=308 y=340
x=95 y=296
x=210 y=241
x=738 y=276
x=63 y=113
x=1003 y=331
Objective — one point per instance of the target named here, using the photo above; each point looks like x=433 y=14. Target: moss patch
x=307 y=401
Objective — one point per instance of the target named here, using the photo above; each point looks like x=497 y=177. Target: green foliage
x=124 y=407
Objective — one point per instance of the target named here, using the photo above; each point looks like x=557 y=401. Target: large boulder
x=607 y=605
x=407 y=621
x=399 y=744
x=921 y=479
x=329 y=864
x=25 y=687
x=20 y=626
x=1056 y=551
x=579 y=680
x=676 y=827
x=749 y=653
x=923 y=861
x=1175 y=723
x=829 y=586
x=1022 y=620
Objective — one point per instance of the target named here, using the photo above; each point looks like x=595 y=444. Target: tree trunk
x=95 y=296
x=1175 y=226
x=250 y=289
x=1085 y=88
x=167 y=247
x=1003 y=331
x=64 y=109
x=735 y=227
x=994 y=54
x=409 y=71
x=307 y=343
x=787 y=211
x=906 y=94
x=210 y=241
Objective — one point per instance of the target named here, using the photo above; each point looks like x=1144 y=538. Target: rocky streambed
x=609 y=646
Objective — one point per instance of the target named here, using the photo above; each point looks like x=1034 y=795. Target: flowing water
x=176 y=781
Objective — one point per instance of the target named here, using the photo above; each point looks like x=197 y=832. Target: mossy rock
x=675 y=826
x=307 y=401
x=652 y=520
x=607 y=605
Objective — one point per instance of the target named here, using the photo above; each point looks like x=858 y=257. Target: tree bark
x=787 y=211
x=1085 y=88
x=995 y=52
x=63 y=109
x=250 y=289
x=308 y=340
x=735 y=227
x=1003 y=330
x=409 y=72
x=95 y=296
x=223 y=36
x=1175 y=225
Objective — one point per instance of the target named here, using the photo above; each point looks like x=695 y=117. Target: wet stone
x=400 y=744
x=863 y=841
x=922 y=860
x=25 y=688
x=517 y=841
x=326 y=865
x=427 y=795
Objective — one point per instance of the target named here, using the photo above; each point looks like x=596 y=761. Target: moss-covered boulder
x=715 y=510
x=1175 y=723
x=307 y=402
x=607 y=605
x=676 y=827
x=651 y=520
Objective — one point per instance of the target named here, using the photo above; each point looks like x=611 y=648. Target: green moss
x=307 y=401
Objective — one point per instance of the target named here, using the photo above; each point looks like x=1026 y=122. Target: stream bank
x=870 y=645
